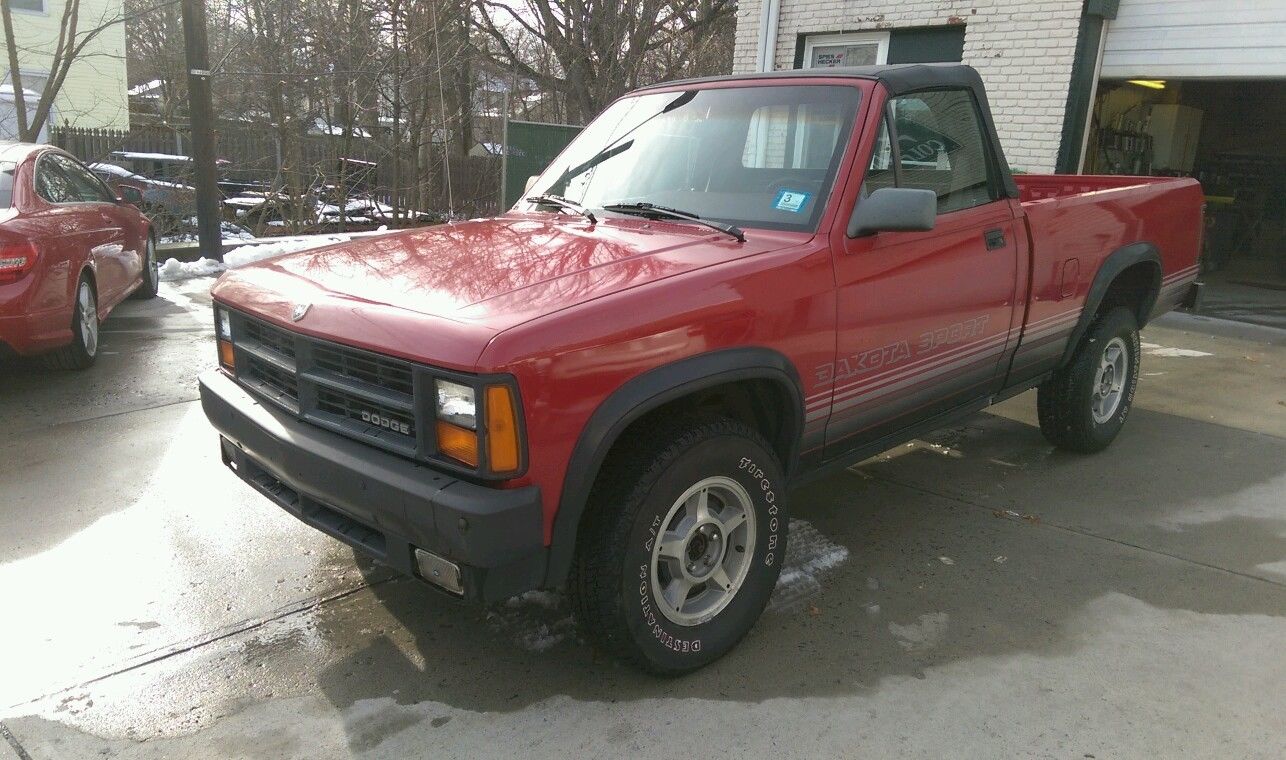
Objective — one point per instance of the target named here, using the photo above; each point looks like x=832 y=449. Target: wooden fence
x=253 y=156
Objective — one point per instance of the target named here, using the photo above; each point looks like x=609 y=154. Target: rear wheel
x=1084 y=406
x=151 y=272
x=682 y=545
x=83 y=349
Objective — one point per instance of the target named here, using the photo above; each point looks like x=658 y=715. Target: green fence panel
x=529 y=148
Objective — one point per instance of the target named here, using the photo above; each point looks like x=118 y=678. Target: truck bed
x=1074 y=222
x=1039 y=187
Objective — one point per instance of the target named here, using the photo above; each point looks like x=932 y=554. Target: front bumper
x=379 y=503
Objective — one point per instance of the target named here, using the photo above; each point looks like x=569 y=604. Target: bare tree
x=68 y=48
x=600 y=48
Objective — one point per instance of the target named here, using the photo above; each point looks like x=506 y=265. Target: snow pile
x=174 y=269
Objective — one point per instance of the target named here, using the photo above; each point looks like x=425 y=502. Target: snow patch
x=173 y=269
x=1152 y=349
x=921 y=635
x=535 y=621
x=809 y=556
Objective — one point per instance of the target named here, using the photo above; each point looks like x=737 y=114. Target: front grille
x=384 y=417
x=357 y=393
x=380 y=371
x=272 y=380
x=271 y=338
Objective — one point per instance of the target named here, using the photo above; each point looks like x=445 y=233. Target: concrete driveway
x=974 y=594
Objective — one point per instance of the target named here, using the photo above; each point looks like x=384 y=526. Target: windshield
x=6 y=183
x=751 y=156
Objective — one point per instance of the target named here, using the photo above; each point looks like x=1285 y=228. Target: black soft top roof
x=898 y=79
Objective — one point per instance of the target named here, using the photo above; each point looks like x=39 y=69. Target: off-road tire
x=151 y=273
x=81 y=352
x=611 y=587
x=1065 y=402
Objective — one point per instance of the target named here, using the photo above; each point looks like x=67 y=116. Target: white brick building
x=1023 y=50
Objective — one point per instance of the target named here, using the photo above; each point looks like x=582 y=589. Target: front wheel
x=1083 y=406
x=682 y=545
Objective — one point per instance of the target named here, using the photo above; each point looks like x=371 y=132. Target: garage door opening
x=1230 y=135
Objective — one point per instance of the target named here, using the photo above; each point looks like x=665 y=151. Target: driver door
x=924 y=317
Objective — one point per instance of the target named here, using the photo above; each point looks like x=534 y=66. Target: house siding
x=1023 y=51
x=94 y=92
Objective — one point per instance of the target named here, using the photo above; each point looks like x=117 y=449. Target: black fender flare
x=1116 y=262
x=647 y=392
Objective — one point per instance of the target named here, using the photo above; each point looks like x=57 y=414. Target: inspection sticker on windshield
x=791 y=200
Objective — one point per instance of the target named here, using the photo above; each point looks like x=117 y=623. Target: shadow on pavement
x=1020 y=540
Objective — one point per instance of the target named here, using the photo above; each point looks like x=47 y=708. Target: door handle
x=995 y=239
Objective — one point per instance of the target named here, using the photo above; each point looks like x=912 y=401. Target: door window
x=52 y=183
x=941 y=147
x=87 y=187
x=880 y=172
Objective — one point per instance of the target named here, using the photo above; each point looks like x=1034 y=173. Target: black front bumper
x=380 y=503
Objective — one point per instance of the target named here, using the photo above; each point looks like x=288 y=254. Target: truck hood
x=480 y=276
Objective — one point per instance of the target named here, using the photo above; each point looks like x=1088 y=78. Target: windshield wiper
x=620 y=144
x=549 y=199
x=653 y=210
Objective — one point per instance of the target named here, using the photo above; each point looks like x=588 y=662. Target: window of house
x=35 y=6
x=31 y=82
x=824 y=51
x=941 y=147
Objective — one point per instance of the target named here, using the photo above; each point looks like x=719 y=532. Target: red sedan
x=70 y=251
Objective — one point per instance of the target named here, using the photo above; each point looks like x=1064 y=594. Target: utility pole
x=201 y=119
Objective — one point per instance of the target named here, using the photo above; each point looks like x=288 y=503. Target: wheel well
x=760 y=404
x=87 y=273
x=1134 y=288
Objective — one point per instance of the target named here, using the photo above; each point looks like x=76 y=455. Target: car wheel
x=83 y=349
x=682 y=545
x=151 y=272
x=1084 y=405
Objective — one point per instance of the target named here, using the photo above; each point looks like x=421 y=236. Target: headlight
x=224 y=322
x=457 y=405
x=223 y=334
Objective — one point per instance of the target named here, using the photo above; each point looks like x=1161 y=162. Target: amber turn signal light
x=226 y=355
x=502 y=430
x=458 y=443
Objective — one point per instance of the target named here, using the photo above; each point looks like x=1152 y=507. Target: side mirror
x=531 y=182
x=131 y=195
x=894 y=209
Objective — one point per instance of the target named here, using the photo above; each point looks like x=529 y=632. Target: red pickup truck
x=720 y=287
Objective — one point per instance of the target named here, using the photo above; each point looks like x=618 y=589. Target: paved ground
x=972 y=595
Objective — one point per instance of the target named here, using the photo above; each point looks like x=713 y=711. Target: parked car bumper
x=425 y=523
x=27 y=333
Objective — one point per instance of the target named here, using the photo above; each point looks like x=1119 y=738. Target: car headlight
x=223 y=321
x=223 y=336
x=489 y=438
x=457 y=404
